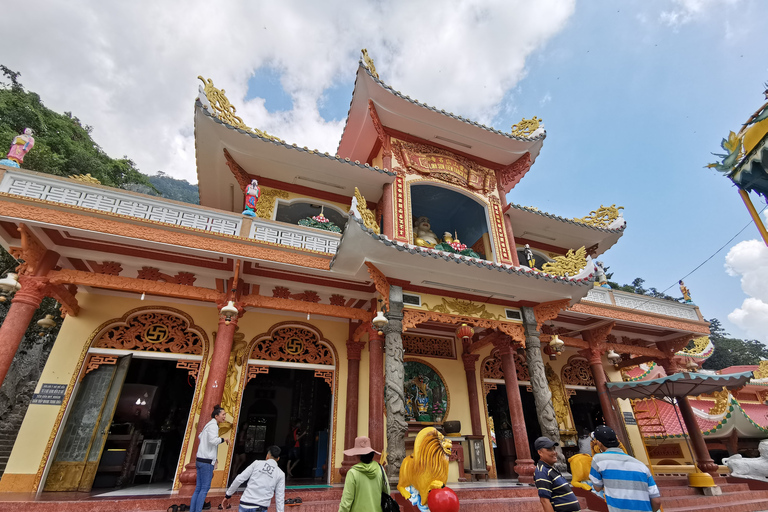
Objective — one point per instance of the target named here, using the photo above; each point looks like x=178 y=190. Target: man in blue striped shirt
x=628 y=484
x=555 y=492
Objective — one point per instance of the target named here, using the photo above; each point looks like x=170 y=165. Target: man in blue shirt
x=554 y=491
x=628 y=484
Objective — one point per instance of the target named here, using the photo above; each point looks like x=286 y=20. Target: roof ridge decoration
x=528 y=127
x=360 y=210
x=603 y=217
x=221 y=107
x=569 y=265
x=701 y=348
x=369 y=63
x=85 y=178
x=542 y=133
x=617 y=225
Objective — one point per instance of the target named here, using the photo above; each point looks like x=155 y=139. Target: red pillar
x=354 y=349
x=703 y=460
x=214 y=389
x=524 y=466
x=474 y=401
x=25 y=303
x=606 y=404
x=376 y=390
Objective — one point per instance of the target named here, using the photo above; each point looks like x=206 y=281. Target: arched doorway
x=128 y=417
x=288 y=400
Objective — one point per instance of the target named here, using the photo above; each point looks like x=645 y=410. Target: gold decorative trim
x=602 y=217
x=762 y=370
x=369 y=63
x=225 y=111
x=265 y=208
x=464 y=308
x=412 y=318
x=526 y=127
x=569 y=265
x=369 y=218
x=85 y=178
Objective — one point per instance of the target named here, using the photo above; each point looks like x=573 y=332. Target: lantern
x=556 y=343
x=379 y=322
x=8 y=285
x=465 y=332
x=613 y=357
x=228 y=311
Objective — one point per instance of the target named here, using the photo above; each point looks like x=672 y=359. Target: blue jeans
x=203 y=484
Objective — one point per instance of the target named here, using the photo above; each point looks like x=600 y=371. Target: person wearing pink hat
x=365 y=480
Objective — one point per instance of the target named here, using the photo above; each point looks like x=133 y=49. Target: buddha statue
x=423 y=234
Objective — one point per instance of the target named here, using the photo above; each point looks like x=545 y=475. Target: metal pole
x=753 y=213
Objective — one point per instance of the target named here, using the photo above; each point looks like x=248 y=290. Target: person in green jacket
x=365 y=480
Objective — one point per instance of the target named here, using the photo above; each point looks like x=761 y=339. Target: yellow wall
x=42 y=421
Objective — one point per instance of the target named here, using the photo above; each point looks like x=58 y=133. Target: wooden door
x=82 y=440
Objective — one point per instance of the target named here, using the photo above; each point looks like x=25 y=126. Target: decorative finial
x=526 y=127
x=369 y=63
x=602 y=217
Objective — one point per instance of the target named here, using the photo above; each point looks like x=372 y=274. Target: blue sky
x=635 y=96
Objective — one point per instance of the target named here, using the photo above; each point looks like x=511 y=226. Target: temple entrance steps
x=677 y=496
x=495 y=496
x=7 y=439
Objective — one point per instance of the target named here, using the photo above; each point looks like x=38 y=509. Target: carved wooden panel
x=578 y=373
x=97 y=360
x=254 y=371
x=153 y=331
x=492 y=368
x=293 y=344
x=522 y=367
x=429 y=346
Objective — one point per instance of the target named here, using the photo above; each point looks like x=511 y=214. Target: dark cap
x=606 y=435
x=543 y=442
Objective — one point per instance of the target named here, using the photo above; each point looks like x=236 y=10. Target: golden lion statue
x=581 y=463
x=427 y=467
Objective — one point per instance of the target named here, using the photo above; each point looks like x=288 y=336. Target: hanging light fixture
x=465 y=332
x=613 y=357
x=46 y=324
x=228 y=311
x=9 y=285
x=556 y=344
x=379 y=322
x=692 y=366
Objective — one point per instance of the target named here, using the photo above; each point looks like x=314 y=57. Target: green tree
x=63 y=145
x=732 y=351
x=637 y=287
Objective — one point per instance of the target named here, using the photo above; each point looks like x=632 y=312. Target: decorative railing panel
x=105 y=200
x=294 y=236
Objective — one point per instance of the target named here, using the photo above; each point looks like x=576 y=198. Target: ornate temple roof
x=616 y=227
x=404 y=114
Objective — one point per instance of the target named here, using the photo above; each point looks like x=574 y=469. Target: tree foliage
x=63 y=145
x=732 y=351
x=637 y=287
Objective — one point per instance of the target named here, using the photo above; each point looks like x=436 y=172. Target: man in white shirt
x=265 y=480
x=206 y=457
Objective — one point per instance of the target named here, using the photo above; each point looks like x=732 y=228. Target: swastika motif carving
x=578 y=373
x=428 y=346
x=293 y=344
x=154 y=331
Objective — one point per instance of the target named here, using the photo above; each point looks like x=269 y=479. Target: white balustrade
x=601 y=295
x=294 y=236
x=654 y=305
x=96 y=198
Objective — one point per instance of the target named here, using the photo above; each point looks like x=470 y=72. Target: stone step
x=682 y=481
x=743 y=505
x=693 y=491
x=724 y=499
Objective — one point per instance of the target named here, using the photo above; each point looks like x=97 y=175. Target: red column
x=214 y=389
x=474 y=401
x=703 y=460
x=376 y=390
x=25 y=303
x=524 y=466
x=606 y=404
x=354 y=349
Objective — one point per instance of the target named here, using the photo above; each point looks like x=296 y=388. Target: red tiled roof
x=757 y=413
x=669 y=417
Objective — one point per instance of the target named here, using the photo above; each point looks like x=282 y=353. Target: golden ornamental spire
x=369 y=218
x=569 y=265
x=85 y=178
x=225 y=111
x=369 y=63
x=602 y=217
x=526 y=127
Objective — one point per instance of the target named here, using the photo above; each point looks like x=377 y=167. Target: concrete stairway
x=6 y=445
x=676 y=496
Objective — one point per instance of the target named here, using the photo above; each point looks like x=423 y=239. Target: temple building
x=371 y=292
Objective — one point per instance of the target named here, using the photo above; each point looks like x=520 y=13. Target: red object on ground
x=443 y=500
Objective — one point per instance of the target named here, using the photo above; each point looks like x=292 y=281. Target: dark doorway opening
x=498 y=409
x=147 y=430
x=286 y=407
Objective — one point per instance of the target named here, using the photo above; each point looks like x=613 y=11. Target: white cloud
x=129 y=68
x=685 y=11
x=749 y=260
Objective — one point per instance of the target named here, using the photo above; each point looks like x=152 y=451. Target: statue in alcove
x=424 y=236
